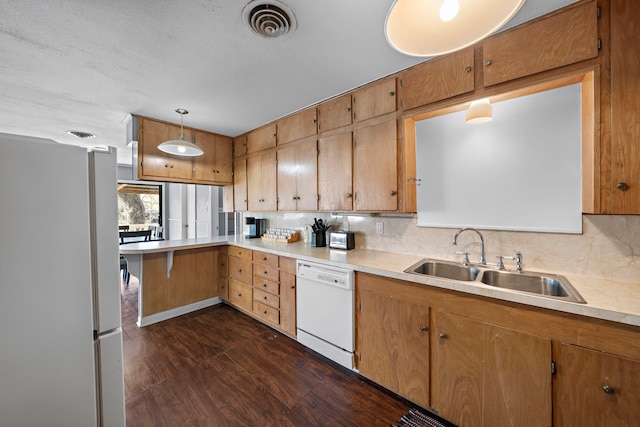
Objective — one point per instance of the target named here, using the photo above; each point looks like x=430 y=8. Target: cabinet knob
x=348 y=109
x=239 y=270
x=264 y=312
x=467 y=70
x=171 y=166
x=265 y=272
x=609 y=390
x=622 y=186
x=264 y=258
x=488 y=62
x=394 y=192
x=264 y=285
x=442 y=336
x=239 y=295
x=264 y=298
x=166 y=165
x=392 y=93
x=348 y=195
x=423 y=328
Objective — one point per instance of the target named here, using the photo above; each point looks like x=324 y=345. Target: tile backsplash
x=608 y=247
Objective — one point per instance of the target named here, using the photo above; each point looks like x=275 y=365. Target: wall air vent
x=80 y=134
x=269 y=18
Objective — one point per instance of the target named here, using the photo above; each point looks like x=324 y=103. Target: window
x=139 y=206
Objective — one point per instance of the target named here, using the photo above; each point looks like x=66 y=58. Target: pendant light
x=436 y=27
x=180 y=147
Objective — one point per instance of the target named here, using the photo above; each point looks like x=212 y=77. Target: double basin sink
x=541 y=284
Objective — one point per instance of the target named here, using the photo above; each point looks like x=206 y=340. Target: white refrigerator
x=60 y=325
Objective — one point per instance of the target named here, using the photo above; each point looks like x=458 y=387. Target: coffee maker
x=257 y=227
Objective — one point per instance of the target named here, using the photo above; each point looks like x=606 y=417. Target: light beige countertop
x=606 y=299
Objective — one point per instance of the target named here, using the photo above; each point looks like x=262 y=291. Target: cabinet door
x=240 y=146
x=297 y=126
x=597 y=389
x=334 y=113
x=241 y=270
x=437 y=79
x=374 y=100
x=240 y=185
x=625 y=107
x=457 y=372
x=393 y=345
x=288 y=303
x=155 y=163
x=375 y=167
x=215 y=165
x=488 y=375
x=193 y=276
x=562 y=39
x=261 y=183
x=517 y=386
x=297 y=176
x=262 y=138
x=335 y=172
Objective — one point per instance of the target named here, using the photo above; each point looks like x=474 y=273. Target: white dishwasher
x=325 y=307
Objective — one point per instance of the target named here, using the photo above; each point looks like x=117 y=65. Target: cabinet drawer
x=240 y=269
x=265 y=258
x=266 y=272
x=266 y=285
x=267 y=313
x=240 y=252
x=266 y=298
x=240 y=295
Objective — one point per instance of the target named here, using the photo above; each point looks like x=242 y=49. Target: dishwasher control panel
x=326 y=274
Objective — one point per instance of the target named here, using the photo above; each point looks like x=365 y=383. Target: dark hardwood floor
x=219 y=367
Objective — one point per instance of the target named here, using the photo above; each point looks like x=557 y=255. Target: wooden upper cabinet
x=261 y=183
x=155 y=164
x=596 y=388
x=375 y=165
x=562 y=39
x=437 y=79
x=297 y=126
x=240 y=146
x=374 y=99
x=334 y=113
x=216 y=164
x=262 y=138
x=335 y=172
x=625 y=108
x=298 y=176
x=240 y=185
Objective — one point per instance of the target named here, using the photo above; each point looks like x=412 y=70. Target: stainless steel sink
x=542 y=284
x=548 y=285
x=444 y=269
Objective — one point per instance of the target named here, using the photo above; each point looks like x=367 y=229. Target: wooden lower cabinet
x=223 y=274
x=597 y=388
x=486 y=375
x=393 y=345
x=193 y=278
x=263 y=285
x=240 y=295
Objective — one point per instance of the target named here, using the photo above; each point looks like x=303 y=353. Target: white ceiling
x=86 y=64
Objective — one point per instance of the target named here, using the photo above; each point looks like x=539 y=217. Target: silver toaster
x=342 y=240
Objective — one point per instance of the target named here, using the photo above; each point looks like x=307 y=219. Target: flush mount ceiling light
x=436 y=27
x=180 y=147
x=269 y=18
x=80 y=134
x=479 y=111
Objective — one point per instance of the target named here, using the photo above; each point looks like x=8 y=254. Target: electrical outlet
x=379 y=227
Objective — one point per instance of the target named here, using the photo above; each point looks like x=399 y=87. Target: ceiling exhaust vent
x=269 y=18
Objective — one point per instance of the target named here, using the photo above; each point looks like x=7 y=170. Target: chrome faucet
x=483 y=261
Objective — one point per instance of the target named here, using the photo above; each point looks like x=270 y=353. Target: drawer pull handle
x=264 y=258
x=265 y=273
x=264 y=298
x=239 y=295
x=264 y=285
x=609 y=390
x=622 y=186
x=264 y=312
